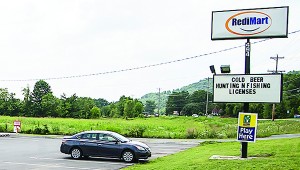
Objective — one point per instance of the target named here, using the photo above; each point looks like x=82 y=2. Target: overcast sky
x=66 y=39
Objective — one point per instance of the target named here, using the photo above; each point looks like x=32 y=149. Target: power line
x=130 y=69
x=140 y=67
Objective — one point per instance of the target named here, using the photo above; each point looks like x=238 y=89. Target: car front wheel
x=128 y=156
x=76 y=153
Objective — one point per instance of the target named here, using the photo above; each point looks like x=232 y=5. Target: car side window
x=102 y=137
x=89 y=136
x=106 y=137
x=111 y=139
x=93 y=136
x=84 y=136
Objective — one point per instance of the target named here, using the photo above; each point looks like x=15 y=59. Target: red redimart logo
x=248 y=23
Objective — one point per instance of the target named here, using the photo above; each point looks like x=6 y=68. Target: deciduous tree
x=41 y=88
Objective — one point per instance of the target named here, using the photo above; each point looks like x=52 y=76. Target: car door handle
x=99 y=144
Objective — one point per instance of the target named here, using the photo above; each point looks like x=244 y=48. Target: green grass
x=154 y=127
x=271 y=154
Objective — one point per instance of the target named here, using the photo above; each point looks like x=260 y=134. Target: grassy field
x=154 y=127
x=270 y=154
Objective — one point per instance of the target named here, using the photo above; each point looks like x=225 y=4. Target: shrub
x=3 y=127
x=41 y=130
x=136 y=131
x=191 y=133
x=212 y=134
x=56 y=130
x=37 y=130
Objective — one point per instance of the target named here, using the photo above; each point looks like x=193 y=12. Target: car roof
x=97 y=131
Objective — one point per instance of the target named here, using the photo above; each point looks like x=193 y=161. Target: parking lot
x=24 y=152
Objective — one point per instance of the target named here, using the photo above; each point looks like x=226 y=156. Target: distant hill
x=200 y=85
x=163 y=96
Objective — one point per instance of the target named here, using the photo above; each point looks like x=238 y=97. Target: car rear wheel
x=76 y=153
x=128 y=156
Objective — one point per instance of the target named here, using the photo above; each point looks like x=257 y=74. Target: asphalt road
x=19 y=152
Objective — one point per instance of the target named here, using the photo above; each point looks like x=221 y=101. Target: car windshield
x=120 y=137
x=77 y=136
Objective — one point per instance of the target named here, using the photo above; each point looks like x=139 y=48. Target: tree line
x=40 y=102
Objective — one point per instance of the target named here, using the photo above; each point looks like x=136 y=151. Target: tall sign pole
x=244 y=149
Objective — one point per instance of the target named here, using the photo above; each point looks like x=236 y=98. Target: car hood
x=138 y=143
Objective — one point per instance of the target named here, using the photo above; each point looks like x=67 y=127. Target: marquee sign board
x=252 y=88
x=250 y=23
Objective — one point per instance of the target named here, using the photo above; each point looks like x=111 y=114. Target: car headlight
x=140 y=148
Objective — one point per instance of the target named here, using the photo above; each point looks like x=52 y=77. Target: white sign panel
x=250 y=23
x=254 y=88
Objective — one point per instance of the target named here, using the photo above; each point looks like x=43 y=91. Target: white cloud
x=57 y=38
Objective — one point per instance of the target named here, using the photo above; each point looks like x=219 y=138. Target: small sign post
x=17 y=126
x=247 y=126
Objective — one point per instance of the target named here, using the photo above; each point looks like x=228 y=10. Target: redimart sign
x=250 y=23
x=247 y=125
x=255 y=88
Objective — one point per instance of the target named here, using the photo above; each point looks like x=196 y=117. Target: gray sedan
x=104 y=144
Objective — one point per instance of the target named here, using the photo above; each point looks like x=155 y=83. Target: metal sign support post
x=246 y=105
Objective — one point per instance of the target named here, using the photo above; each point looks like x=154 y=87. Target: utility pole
x=275 y=71
x=158 y=101
x=207 y=97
